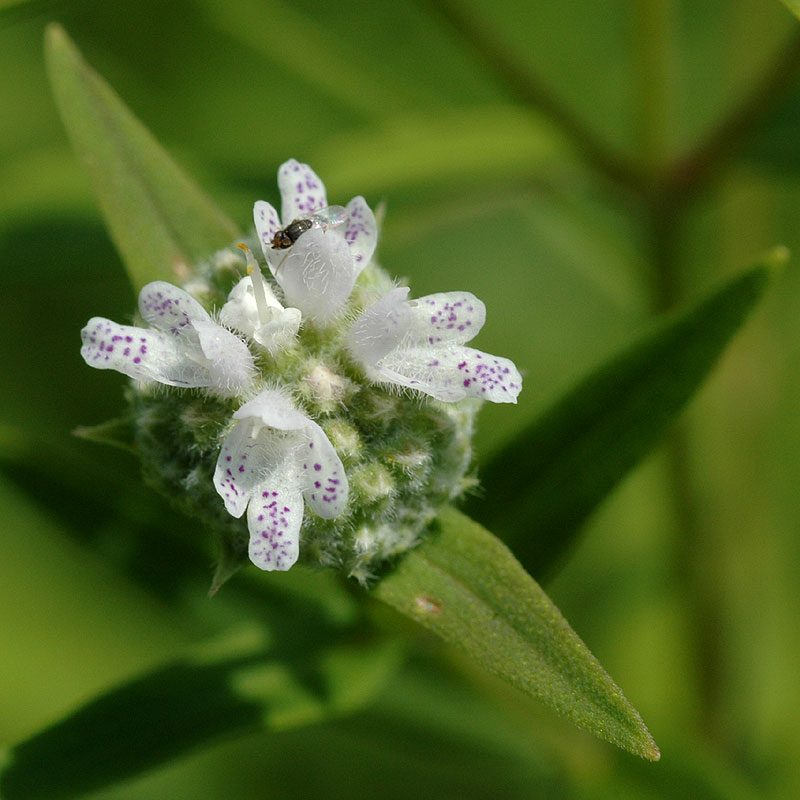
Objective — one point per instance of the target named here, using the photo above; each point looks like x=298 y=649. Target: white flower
x=419 y=344
x=183 y=346
x=269 y=462
x=253 y=309
x=318 y=271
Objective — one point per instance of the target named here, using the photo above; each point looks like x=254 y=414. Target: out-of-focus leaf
x=104 y=506
x=160 y=220
x=543 y=485
x=692 y=770
x=299 y=41
x=7 y=6
x=113 y=513
x=466 y=586
x=40 y=183
x=793 y=6
x=234 y=688
x=131 y=729
x=495 y=140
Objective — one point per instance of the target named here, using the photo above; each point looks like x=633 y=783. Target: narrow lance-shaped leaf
x=466 y=586
x=793 y=6
x=232 y=690
x=130 y=730
x=160 y=220
x=540 y=488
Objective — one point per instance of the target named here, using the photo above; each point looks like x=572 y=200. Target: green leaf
x=98 y=503
x=115 y=432
x=793 y=6
x=236 y=687
x=465 y=585
x=299 y=40
x=495 y=141
x=544 y=484
x=159 y=219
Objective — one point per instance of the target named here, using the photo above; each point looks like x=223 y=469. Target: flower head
x=318 y=270
x=183 y=347
x=374 y=465
x=274 y=457
x=418 y=344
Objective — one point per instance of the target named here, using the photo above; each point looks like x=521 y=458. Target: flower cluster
x=312 y=399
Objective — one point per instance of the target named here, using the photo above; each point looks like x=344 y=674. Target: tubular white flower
x=253 y=310
x=183 y=347
x=318 y=271
x=418 y=344
x=273 y=458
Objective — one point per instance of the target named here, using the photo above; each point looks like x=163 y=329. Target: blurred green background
x=580 y=167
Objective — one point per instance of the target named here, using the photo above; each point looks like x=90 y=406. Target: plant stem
x=694 y=171
x=520 y=82
x=653 y=28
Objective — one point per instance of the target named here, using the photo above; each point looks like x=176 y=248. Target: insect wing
x=329 y=217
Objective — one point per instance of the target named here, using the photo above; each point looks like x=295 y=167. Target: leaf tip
x=60 y=54
x=640 y=741
x=777 y=258
x=654 y=754
x=648 y=749
x=115 y=432
x=54 y=33
x=56 y=39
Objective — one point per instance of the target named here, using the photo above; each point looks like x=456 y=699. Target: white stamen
x=259 y=290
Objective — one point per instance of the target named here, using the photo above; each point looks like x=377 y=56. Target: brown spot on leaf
x=426 y=605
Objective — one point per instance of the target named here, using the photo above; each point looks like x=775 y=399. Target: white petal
x=239 y=469
x=240 y=312
x=170 y=309
x=274 y=519
x=302 y=192
x=453 y=373
x=271 y=408
x=281 y=332
x=267 y=224
x=380 y=328
x=317 y=274
x=325 y=481
x=230 y=364
x=360 y=232
x=141 y=354
x=446 y=317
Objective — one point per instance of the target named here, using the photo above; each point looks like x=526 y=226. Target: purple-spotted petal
x=380 y=328
x=302 y=192
x=316 y=274
x=267 y=224
x=170 y=309
x=324 y=478
x=230 y=364
x=140 y=353
x=271 y=408
x=446 y=317
x=238 y=473
x=453 y=373
x=360 y=232
x=274 y=518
